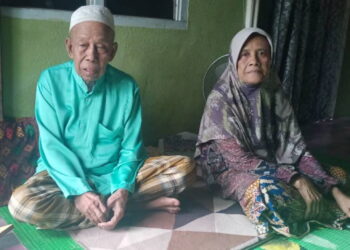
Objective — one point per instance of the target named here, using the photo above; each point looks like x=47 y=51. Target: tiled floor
x=205 y=222
x=9 y=240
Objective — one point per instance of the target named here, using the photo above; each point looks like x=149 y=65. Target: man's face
x=91 y=47
x=254 y=60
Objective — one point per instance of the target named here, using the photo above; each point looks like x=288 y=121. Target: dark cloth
x=18 y=154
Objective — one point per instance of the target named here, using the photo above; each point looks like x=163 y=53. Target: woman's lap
x=273 y=204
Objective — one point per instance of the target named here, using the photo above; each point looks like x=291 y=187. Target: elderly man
x=91 y=150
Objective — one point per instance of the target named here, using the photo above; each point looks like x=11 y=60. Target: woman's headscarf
x=273 y=134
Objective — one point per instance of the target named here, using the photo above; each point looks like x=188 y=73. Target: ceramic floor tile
x=222 y=204
x=234 y=209
x=234 y=224
x=202 y=224
x=184 y=240
x=140 y=234
x=160 y=242
x=96 y=238
x=154 y=219
x=190 y=212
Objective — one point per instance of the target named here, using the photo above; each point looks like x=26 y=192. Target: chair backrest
x=214 y=71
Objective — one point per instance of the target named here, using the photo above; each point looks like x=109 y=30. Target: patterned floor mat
x=318 y=239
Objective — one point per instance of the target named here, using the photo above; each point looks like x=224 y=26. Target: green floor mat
x=35 y=239
x=319 y=239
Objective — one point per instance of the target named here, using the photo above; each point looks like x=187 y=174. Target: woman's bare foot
x=171 y=205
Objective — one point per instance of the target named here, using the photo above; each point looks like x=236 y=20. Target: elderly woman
x=251 y=146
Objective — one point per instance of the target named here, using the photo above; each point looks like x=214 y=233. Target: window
x=47 y=4
x=151 y=8
x=251 y=13
x=168 y=14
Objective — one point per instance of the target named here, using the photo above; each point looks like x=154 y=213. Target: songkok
x=95 y=13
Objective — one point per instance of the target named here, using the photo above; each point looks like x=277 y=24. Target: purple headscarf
x=274 y=135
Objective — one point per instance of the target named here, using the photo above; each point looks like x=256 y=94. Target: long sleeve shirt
x=225 y=162
x=89 y=138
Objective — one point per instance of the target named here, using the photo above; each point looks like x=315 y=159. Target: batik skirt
x=273 y=205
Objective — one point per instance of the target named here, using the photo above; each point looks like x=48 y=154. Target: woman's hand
x=311 y=196
x=342 y=200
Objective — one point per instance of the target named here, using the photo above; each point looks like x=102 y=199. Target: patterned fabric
x=275 y=136
x=18 y=154
x=232 y=173
x=164 y=176
x=40 y=201
x=340 y=174
x=272 y=204
x=224 y=162
x=256 y=135
x=309 y=38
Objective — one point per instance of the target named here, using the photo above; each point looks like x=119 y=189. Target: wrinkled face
x=254 y=60
x=91 y=47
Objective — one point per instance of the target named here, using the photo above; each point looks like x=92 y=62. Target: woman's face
x=254 y=60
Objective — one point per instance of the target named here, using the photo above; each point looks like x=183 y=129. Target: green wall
x=167 y=64
x=343 y=99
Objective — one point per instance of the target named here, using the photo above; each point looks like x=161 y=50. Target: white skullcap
x=95 y=13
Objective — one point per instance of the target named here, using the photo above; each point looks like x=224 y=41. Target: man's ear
x=114 y=51
x=68 y=43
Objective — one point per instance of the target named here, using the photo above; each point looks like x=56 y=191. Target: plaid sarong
x=39 y=201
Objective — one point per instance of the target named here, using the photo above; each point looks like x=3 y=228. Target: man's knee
x=30 y=201
x=39 y=208
x=17 y=206
x=186 y=171
x=187 y=165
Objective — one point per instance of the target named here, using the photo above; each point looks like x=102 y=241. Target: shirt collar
x=79 y=80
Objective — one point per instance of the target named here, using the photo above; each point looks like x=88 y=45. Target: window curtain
x=1 y=110
x=309 y=38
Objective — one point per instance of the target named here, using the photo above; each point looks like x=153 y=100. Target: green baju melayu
x=89 y=135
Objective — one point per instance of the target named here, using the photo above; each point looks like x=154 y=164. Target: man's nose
x=91 y=53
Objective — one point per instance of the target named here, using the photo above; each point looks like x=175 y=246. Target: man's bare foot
x=171 y=205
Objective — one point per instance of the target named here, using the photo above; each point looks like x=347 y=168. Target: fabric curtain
x=309 y=38
x=1 y=110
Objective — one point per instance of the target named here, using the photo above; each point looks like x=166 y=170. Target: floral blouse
x=225 y=163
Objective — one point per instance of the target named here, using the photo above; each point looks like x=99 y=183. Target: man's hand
x=311 y=196
x=91 y=205
x=117 y=203
x=342 y=200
